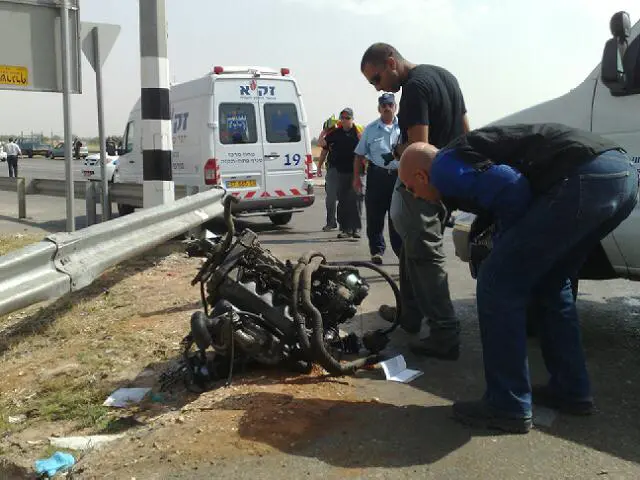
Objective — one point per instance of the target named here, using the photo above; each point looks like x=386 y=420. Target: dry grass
x=16 y=241
x=60 y=362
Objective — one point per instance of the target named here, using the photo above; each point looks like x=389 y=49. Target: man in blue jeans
x=553 y=193
x=376 y=146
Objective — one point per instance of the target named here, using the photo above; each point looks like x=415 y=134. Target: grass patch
x=16 y=241
x=69 y=399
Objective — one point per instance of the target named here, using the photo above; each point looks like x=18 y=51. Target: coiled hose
x=303 y=272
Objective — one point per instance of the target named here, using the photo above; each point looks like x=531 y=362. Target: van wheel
x=532 y=320
x=125 y=209
x=281 y=218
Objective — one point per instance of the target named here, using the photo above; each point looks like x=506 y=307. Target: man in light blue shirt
x=376 y=145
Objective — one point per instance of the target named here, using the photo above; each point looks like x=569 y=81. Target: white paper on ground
x=395 y=369
x=84 y=443
x=123 y=397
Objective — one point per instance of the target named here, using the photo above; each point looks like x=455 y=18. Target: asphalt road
x=40 y=167
x=407 y=432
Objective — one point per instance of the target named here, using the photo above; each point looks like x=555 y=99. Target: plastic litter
x=58 y=462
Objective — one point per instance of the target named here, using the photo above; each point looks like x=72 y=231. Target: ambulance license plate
x=241 y=183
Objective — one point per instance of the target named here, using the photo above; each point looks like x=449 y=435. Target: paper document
x=395 y=369
x=123 y=397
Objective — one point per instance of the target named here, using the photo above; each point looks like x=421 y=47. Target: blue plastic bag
x=58 y=462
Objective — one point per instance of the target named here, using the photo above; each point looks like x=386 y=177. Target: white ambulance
x=242 y=128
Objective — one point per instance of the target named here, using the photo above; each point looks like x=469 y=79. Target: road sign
x=97 y=41
x=31 y=46
x=107 y=35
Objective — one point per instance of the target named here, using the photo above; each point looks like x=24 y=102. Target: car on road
x=91 y=167
x=30 y=149
x=58 y=151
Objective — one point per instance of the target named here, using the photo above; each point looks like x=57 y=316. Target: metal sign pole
x=66 y=105
x=106 y=203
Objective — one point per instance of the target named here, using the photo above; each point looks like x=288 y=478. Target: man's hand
x=357 y=183
x=319 y=172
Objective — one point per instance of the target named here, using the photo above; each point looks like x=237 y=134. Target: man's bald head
x=417 y=156
x=415 y=165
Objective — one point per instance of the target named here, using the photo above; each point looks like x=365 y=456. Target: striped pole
x=156 y=109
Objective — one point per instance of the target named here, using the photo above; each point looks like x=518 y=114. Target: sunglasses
x=345 y=118
x=375 y=80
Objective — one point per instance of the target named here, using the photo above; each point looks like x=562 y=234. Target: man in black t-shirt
x=432 y=110
x=342 y=142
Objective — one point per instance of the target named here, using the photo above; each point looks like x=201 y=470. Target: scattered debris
x=84 y=443
x=17 y=419
x=395 y=369
x=124 y=397
x=57 y=462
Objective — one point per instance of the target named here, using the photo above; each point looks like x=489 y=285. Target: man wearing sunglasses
x=376 y=145
x=432 y=110
x=341 y=142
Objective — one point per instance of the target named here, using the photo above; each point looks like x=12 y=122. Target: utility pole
x=157 y=142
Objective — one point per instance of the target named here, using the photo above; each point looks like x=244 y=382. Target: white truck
x=241 y=128
x=607 y=102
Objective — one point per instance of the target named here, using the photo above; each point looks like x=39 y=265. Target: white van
x=607 y=102
x=242 y=128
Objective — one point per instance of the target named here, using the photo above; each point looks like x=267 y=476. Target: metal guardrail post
x=19 y=185
x=90 y=203
x=21 y=189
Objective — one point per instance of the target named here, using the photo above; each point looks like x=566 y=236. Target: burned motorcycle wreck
x=258 y=308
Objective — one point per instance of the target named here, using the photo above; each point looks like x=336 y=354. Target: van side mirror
x=614 y=71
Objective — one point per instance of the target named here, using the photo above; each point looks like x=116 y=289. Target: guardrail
x=67 y=262
x=17 y=184
x=124 y=193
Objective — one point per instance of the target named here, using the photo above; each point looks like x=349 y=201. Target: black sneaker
x=344 y=235
x=355 y=234
x=376 y=259
x=543 y=396
x=432 y=347
x=479 y=414
x=329 y=228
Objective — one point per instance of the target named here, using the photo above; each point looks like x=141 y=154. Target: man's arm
x=321 y=160
x=500 y=189
x=416 y=133
x=465 y=124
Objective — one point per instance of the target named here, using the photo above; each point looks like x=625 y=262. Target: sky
x=506 y=55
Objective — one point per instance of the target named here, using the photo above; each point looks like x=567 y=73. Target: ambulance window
x=237 y=123
x=129 y=136
x=281 y=121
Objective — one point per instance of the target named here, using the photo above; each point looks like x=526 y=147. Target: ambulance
x=241 y=128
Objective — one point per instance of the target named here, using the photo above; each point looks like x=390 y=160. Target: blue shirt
x=500 y=189
x=377 y=142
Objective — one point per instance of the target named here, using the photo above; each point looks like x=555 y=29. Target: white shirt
x=12 y=149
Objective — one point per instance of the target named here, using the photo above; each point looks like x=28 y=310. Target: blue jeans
x=535 y=259
x=380 y=185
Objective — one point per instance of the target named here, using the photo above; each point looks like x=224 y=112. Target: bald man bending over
x=553 y=193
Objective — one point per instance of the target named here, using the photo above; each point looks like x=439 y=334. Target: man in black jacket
x=553 y=193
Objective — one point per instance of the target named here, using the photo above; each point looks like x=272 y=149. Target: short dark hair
x=378 y=53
